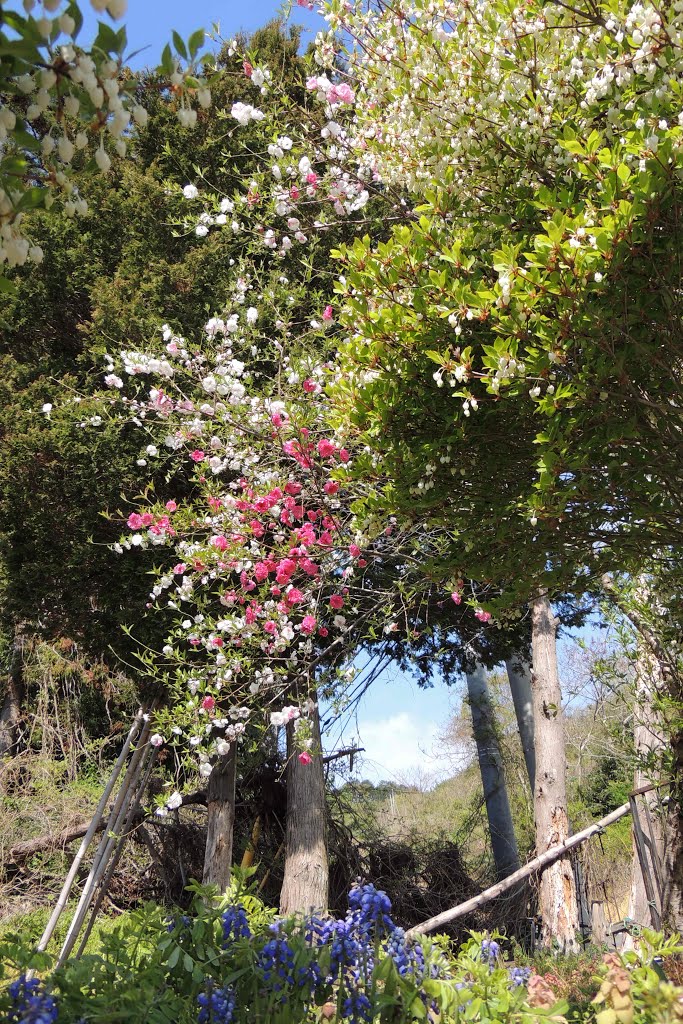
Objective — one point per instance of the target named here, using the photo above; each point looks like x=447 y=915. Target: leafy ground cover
x=232 y=961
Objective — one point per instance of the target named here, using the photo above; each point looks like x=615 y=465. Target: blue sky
x=149 y=23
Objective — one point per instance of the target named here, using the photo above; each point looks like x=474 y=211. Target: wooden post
x=598 y=923
x=220 y=821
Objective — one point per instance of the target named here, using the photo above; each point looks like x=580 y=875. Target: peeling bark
x=306 y=877
x=557 y=891
x=501 y=828
x=220 y=800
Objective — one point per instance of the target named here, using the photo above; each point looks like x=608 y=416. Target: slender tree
x=501 y=827
x=557 y=898
x=519 y=675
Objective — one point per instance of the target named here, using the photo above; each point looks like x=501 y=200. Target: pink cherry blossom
x=208 y=704
x=134 y=521
x=326 y=448
x=308 y=624
x=482 y=615
x=284 y=570
x=327 y=313
x=336 y=602
x=171 y=506
x=305 y=757
x=197 y=455
x=456 y=597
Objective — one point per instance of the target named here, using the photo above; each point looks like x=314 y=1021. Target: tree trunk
x=306 y=878
x=501 y=828
x=519 y=675
x=557 y=891
x=673 y=854
x=10 y=714
x=220 y=801
x=650 y=744
x=645 y=618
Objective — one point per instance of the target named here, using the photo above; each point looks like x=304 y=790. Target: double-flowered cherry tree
x=506 y=336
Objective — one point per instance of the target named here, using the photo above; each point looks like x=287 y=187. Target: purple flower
x=216 y=1005
x=31 y=1004
x=235 y=925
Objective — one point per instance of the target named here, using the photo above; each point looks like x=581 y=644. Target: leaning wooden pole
x=119 y=842
x=88 y=837
x=106 y=846
x=552 y=854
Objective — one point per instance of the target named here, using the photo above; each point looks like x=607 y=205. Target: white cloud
x=401 y=748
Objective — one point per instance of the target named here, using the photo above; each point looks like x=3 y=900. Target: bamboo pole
x=252 y=845
x=120 y=843
x=88 y=837
x=552 y=854
x=105 y=848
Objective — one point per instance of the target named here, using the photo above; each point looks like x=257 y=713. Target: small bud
x=102 y=160
x=117 y=8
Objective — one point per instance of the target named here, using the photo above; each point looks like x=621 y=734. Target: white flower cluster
x=444 y=91
x=244 y=113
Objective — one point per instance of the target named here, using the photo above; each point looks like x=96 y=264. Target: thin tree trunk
x=306 y=878
x=220 y=802
x=501 y=828
x=666 y=674
x=649 y=743
x=673 y=854
x=519 y=675
x=557 y=891
x=10 y=714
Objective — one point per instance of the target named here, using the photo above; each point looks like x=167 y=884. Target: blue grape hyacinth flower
x=216 y=1005
x=31 y=1004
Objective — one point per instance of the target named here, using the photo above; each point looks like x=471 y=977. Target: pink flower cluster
x=332 y=92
